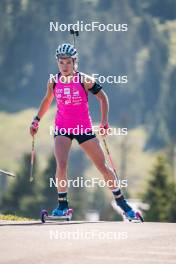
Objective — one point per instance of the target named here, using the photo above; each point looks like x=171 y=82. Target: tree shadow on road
x=54 y=222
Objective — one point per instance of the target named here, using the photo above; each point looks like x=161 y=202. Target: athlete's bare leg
x=61 y=151
x=94 y=150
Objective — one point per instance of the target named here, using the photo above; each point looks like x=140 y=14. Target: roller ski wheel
x=64 y=215
x=43 y=216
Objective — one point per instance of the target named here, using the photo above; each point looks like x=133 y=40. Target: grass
x=13 y=218
x=16 y=140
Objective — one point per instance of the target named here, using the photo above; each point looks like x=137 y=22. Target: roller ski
x=130 y=216
x=56 y=214
x=122 y=207
x=133 y=216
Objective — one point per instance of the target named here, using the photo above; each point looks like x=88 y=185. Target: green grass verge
x=14 y=218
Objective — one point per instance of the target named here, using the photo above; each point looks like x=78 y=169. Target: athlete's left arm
x=96 y=89
x=104 y=105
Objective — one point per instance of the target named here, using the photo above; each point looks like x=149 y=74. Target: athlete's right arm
x=44 y=106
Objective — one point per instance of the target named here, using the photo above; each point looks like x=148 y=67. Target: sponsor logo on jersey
x=76 y=93
x=58 y=90
x=67 y=102
x=67 y=90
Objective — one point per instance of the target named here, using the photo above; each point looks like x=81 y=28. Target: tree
x=172 y=208
x=20 y=195
x=48 y=194
x=159 y=194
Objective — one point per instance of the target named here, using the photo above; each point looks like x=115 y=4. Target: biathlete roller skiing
x=71 y=94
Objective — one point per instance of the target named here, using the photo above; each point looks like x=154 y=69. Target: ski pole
x=110 y=158
x=7 y=173
x=32 y=161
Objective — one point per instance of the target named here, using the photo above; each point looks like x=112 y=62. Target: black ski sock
x=62 y=199
x=120 y=200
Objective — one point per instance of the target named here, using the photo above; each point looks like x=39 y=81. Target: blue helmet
x=66 y=50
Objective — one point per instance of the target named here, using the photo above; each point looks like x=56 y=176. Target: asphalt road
x=87 y=242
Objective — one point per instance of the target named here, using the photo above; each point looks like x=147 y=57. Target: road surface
x=87 y=242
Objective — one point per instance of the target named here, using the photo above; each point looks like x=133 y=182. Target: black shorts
x=80 y=138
